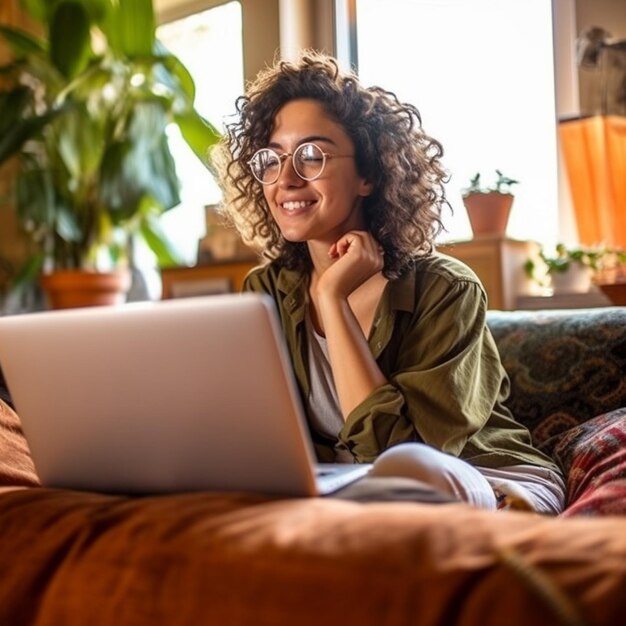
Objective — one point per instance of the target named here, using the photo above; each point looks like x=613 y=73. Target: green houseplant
x=572 y=268
x=84 y=111
x=488 y=206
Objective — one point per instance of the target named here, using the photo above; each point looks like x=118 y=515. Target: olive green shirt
x=446 y=384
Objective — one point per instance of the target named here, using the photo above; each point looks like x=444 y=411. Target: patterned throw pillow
x=593 y=458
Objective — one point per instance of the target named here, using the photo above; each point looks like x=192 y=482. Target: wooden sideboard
x=212 y=278
x=499 y=263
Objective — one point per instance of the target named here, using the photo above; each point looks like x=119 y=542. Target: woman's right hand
x=357 y=257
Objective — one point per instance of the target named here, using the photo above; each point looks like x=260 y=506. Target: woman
x=343 y=190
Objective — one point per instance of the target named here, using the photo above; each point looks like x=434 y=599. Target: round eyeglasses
x=308 y=162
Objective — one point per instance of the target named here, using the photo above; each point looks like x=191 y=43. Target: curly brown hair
x=392 y=151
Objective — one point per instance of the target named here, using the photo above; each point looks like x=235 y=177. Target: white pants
x=540 y=487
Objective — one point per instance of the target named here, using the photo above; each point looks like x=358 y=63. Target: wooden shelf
x=499 y=264
x=212 y=278
x=589 y=300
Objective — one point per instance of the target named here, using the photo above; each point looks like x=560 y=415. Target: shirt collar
x=293 y=285
x=402 y=292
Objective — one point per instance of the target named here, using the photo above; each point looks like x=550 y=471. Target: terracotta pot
x=67 y=289
x=488 y=212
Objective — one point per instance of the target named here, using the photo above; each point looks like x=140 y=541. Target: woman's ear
x=365 y=188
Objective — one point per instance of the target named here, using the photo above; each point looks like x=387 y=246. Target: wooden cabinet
x=499 y=263
x=217 y=277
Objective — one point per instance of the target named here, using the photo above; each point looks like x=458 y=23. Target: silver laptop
x=156 y=397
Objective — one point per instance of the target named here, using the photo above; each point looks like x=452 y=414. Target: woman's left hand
x=357 y=257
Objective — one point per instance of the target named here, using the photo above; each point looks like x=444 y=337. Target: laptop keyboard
x=333 y=476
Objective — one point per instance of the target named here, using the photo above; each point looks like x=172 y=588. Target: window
x=209 y=44
x=481 y=73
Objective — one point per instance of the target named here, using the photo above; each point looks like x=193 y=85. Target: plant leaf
x=13 y=107
x=140 y=165
x=156 y=239
x=70 y=47
x=25 y=294
x=66 y=224
x=15 y=128
x=42 y=10
x=130 y=27
x=35 y=198
x=78 y=142
x=97 y=10
x=22 y=43
x=170 y=71
x=199 y=134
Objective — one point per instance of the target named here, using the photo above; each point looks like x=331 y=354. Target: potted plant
x=611 y=276
x=84 y=112
x=567 y=269
x=488 y=207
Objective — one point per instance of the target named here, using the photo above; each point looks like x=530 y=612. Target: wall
x=610 y=14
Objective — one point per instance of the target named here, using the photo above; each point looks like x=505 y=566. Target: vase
x=576 y=279
x=66 y=289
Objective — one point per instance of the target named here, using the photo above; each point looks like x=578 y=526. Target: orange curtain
x=594 y=150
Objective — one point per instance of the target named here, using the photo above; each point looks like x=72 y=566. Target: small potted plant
x=566 y=269
x=489 y=206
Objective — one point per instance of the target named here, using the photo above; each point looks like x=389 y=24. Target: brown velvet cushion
x=16 y=465
x=81 y=559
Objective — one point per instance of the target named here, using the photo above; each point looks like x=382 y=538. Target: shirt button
x=379 y=345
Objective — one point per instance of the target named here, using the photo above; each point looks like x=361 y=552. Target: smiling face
x=324 y=209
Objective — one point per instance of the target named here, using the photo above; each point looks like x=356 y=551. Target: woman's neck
x=320 y=258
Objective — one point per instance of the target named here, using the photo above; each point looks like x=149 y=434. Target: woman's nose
x=288 y=176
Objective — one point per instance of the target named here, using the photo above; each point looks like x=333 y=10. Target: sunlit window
x=210 y=45
x=481 y=73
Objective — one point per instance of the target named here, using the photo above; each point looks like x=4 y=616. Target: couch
x=71 y=558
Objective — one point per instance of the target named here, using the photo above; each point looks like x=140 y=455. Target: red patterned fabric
x=593 y=457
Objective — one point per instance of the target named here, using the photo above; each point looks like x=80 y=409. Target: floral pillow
x=593 y=458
